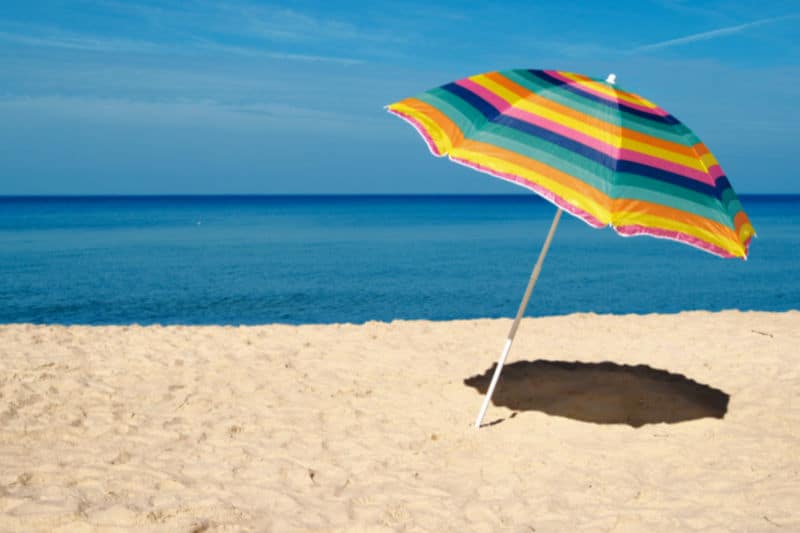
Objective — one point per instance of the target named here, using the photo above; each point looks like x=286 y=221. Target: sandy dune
x=601 y=423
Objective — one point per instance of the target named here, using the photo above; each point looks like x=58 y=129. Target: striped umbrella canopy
x=608 y=156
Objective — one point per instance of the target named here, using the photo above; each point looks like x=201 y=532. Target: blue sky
x=202 y=97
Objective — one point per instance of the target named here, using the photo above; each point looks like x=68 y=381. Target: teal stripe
x=734 y=207
x=463 y=115
x=731 y=201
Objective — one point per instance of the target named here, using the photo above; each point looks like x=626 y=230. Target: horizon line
x=310 y=195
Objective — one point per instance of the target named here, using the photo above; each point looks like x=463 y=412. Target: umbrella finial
x=612 y=79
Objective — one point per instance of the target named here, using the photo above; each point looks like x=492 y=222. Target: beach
x=676 y=422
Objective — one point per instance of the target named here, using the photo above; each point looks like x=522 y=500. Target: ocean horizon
x=256 y=259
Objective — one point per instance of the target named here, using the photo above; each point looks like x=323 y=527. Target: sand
x=687 y=422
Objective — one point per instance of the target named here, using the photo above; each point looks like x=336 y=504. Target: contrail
x=704 y=36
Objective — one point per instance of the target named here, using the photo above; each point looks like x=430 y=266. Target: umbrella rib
x=521 y=311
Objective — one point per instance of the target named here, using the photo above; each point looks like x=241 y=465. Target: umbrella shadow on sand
x=602 y=393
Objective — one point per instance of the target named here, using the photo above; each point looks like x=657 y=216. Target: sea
x=328 y=259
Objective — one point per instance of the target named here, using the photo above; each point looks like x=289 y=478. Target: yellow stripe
x=643 y=148
x=609 y=136
x=603 y=88
x=625 y=218
x=709 y=160
x=434 y=131
x=746 y=231
x=569 y=195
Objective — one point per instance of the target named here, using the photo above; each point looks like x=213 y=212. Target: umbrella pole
x=521 y=311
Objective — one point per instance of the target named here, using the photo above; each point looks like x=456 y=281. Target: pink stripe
x=669 y=166
x=691 y=240
x=715 y=171
x=609 y=149
x=652 y=111
x=560 y=129
x=420 y=129
x=484 y=93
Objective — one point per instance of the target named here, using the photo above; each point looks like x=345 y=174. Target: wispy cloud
x=56 y=39
x=207 y=45
x=191 y=112
x=72 y=41
x=261 y=21
x=240 y=28
x=713 y=34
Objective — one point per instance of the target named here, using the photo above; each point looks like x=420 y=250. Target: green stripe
x=463 y=115
x=731 y=202
x=734 y=207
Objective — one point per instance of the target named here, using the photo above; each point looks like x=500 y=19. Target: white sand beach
x=692 y=424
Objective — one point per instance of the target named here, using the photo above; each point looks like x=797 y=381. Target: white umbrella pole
x=534 y=276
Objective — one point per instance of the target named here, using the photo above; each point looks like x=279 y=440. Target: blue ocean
x=323 y=259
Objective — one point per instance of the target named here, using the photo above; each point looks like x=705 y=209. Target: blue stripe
x=669 y=119
x=482 y=106
x=492 y=114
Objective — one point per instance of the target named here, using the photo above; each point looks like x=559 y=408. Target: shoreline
x=393 y=321
x=655 y=422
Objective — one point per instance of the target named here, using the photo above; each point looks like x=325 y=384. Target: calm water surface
x=251 y=260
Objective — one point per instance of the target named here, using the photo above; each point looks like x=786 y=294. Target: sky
x=250 y=97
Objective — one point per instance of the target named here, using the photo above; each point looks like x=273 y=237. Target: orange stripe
x=447 y=126
x=628 y=133
x=740 y=220
x=701 y=149
x=533 y=165
x=624 y=205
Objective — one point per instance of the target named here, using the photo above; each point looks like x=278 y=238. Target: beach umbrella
x=604 y=155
